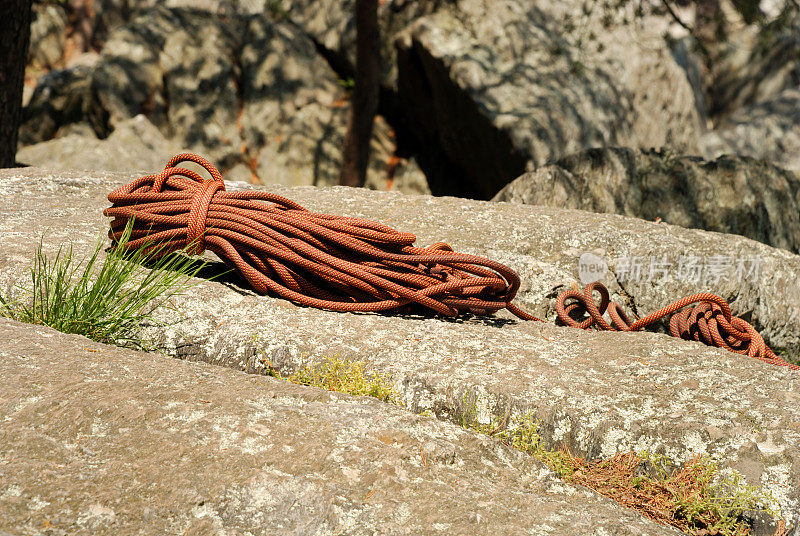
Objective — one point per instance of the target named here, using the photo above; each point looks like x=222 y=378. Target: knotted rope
x=318 y=260
x=710 y=321
x=351 y=264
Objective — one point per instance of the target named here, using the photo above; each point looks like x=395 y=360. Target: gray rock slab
x=598 y=393
x=97 y=439
x=768 y=129
x=136 y=144
x=731 y=194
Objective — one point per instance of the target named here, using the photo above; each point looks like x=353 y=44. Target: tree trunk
x=364 y=104
x=15 y=25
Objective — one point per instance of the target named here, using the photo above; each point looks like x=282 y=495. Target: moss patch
x=345 y=376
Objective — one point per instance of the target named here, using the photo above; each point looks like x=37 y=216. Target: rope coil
x=318 y=260
x=352 y=264
x=709 y=321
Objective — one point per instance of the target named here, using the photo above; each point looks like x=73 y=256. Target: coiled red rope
x=710 y=321
x=318 y=260
x=351 y=264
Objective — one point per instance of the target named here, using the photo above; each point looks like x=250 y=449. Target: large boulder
x=595 y=393
x=255 y=84
x=59 y=99
x=754 y=91
x=768 y=129
x=250 y=92
x=104 y=16
x=731 y=194
x=98 y=440
x=498 y=86
x=134 y=146
x=331 y=25
x=48 y=36
x=757 y=63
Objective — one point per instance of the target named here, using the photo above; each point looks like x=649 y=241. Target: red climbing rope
x=710 y=321
x=319 y=260
x=351 y=264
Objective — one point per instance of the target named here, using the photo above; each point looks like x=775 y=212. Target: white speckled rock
x=102 y=440
x=598 y=393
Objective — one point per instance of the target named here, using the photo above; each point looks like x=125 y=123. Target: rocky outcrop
x=60 y=99
x=98 y=439
x=596 y=393
x=754 y=92
x=768 y=130
x=329 y=23
x=459 y=85
x=729 y=195
x=188 y=74
x=249 y=92
x=48 y=36
x=134 y=146
x=757 y=64
x=498 y=85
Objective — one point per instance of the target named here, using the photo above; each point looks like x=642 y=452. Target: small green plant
x=346 y=376
x=468 y=412
x=347 y=83
x=276 y=9
x=713 y=505
x=107 y=300
x=527 y=439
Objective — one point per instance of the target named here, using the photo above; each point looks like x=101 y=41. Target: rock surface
x=249 y=92
x=58 y=101
x=768 y=130
x=99 y=439
x=757 y=64
x=730 y=194
x=188 y=73
x=754 y=92
x=475 y=92
x=48 y=36
x=252 y=84
x=134 y=146
x=597 y=393
x=499 y=85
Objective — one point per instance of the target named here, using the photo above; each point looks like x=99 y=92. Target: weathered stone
x=99 y=439
x=757 y=64
x=597 y=393
x=495 y=86
x=769 y=130
x=251 y=93
x=48 y=36
x=134 y=146
x=753 y=93
x=59 y=99
x=730 y=194
x=331 y=24
x=107 y=15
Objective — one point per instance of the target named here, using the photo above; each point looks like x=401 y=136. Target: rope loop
x=702 y=317
x=198 y=215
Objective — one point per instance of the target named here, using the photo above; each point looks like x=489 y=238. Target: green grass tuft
x=107 y=300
